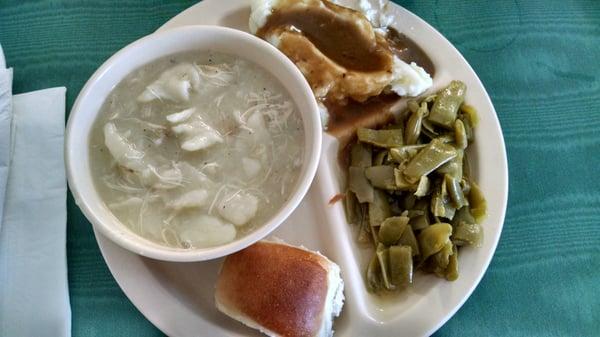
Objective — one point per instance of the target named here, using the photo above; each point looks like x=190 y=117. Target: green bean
x=408 y=239
x=381 y=177
x=446 y=105
x=428 y=129
x=449 y=208
x=470 y=120
x=477 y=202
x=374 y=282
x=455 y=192
x=468 y=130
x=419 y=222
x=421 y=204
x=428 y=159
x=413 y=213
x=463 y=214
x=363 y=235
x=452 y=269
x=466 y=166
x=408 y=201
x=446 y=138
x=430 y=98
x=398 y=155
x=453 y=167
x=383 y=256
x=442 y=258
x=413 y=125
x=437 y=203
x=441 y=205
x=405 y=153
x=423 y=187
x=460 y=135
x=412 y=106
x=410 y=190
x=391 y=229
x=396 y=125
x=352 y=208
x=467 y=234
x=470 y=114
x=381 y=138
x=401 y=265
x=358 y=183
x=379 y=158
x=379 y=209
x=401 y=182
x=364 y=228
x=433 y=238
x=360 y=155
x=465 y=186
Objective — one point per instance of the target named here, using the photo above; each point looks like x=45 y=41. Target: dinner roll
x=281 y=290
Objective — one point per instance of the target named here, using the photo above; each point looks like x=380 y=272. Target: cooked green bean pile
x=410 y=193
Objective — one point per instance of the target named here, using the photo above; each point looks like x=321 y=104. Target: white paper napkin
x=34 y=299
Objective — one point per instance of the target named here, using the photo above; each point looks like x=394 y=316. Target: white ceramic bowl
x=146 y=50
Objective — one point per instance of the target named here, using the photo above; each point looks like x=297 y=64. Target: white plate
x=178 y=297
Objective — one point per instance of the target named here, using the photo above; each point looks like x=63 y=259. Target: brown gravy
x=344 y=119
x=337 y=33
x=408 y=51
x=339 y=38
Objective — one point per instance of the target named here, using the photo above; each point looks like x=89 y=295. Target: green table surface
x=539 y=61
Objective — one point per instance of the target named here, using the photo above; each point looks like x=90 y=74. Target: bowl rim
x=143 y=246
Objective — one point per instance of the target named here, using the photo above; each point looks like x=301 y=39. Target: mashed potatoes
x=329 y=43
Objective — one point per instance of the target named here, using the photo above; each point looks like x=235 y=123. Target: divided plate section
x=429 y=297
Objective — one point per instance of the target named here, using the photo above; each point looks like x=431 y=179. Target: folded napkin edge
x=60 y=90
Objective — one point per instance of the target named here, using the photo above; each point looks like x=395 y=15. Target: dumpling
x=173 y=84
x=122 y=150
x=197 y=135
x=164 y=177
x=239 y=208
x=199 y=231
x=251 y=166
x=256 y=123
x=191 y=199
x=181 y=116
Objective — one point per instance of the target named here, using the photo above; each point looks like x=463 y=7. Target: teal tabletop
x=538 y=59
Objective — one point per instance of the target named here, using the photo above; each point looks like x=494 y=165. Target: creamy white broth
x=196 y=149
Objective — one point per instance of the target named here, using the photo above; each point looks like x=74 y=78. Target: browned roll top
x=282 y=288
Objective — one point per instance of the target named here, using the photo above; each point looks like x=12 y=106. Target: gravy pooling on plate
x=196 y=149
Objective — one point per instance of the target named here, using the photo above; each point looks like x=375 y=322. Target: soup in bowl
x=192 y=144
